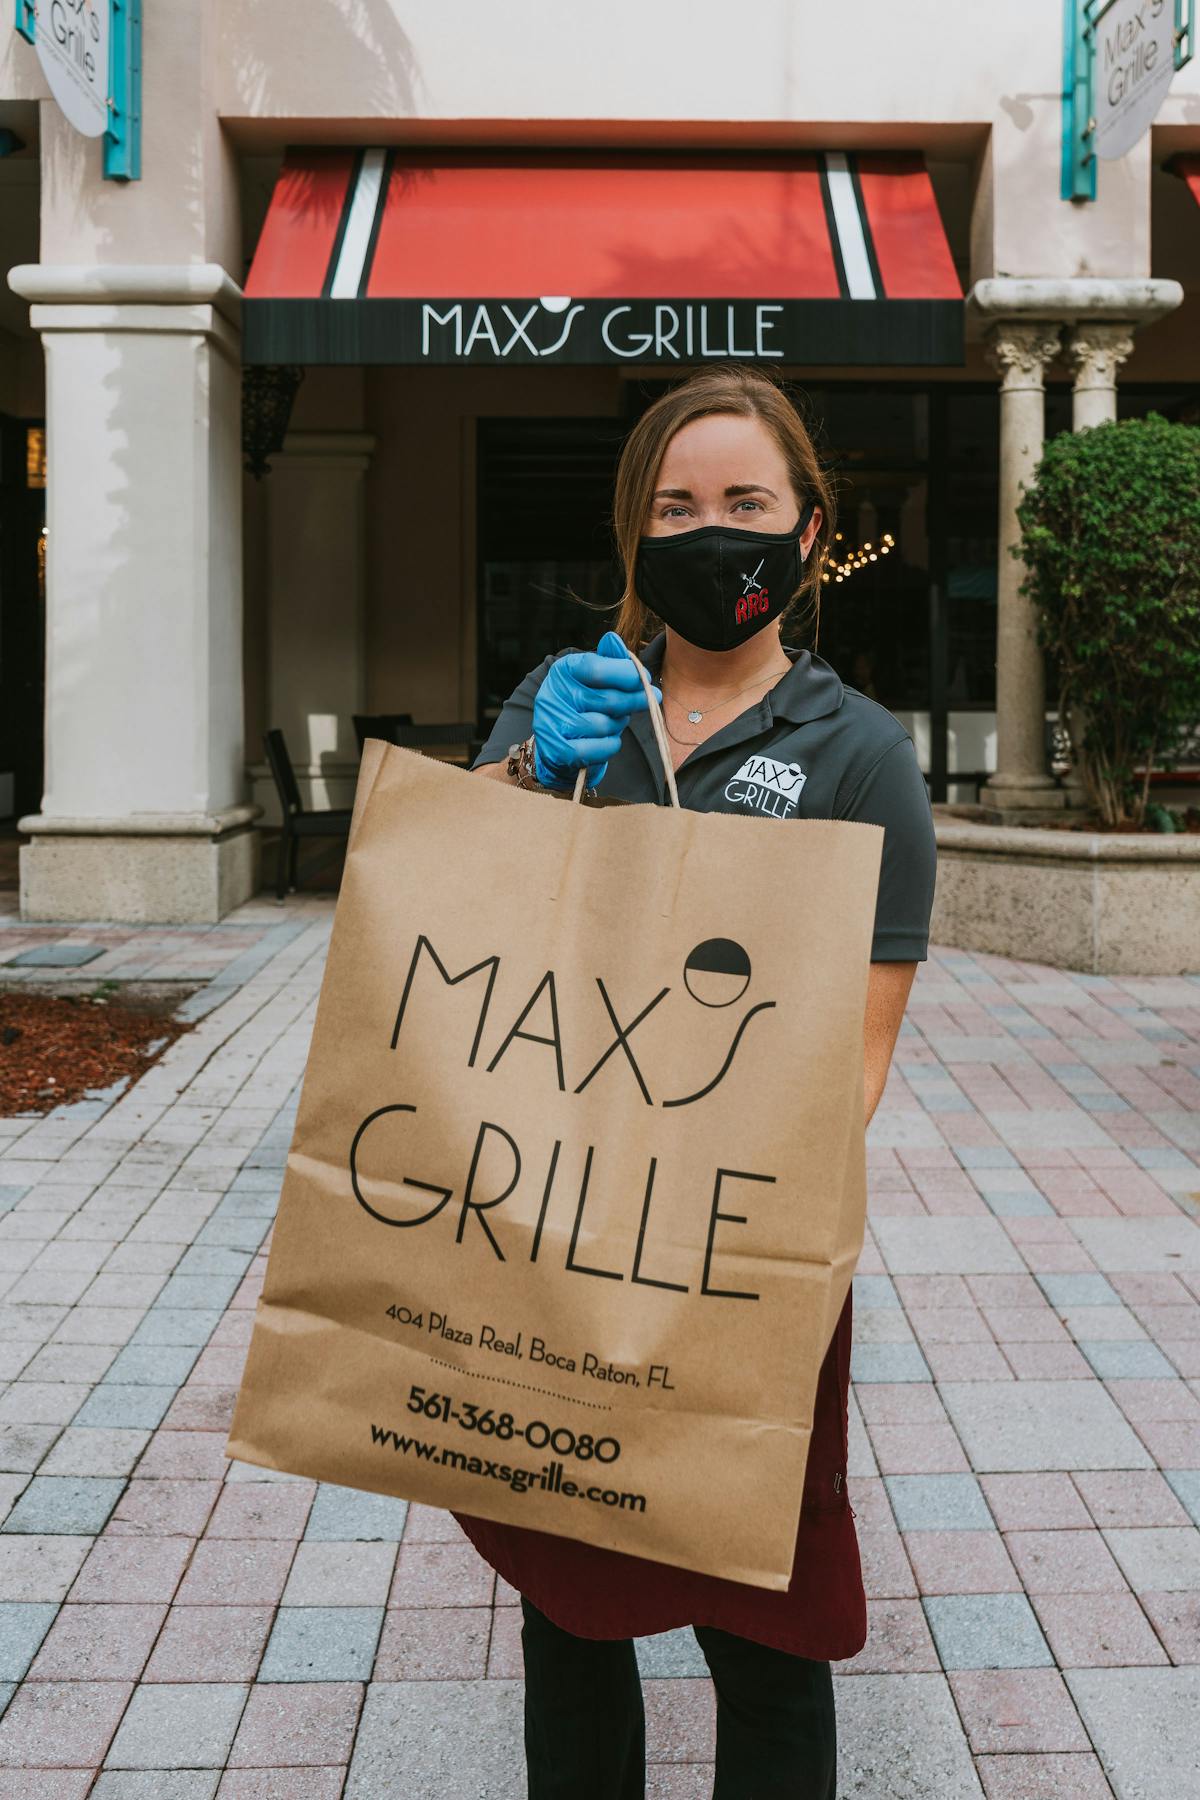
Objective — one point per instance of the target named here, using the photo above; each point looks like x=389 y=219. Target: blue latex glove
x=579 y=712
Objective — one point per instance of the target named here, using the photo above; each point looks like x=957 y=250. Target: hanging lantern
x=268 y=394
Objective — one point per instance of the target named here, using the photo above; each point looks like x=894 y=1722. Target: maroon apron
x=604 y=1594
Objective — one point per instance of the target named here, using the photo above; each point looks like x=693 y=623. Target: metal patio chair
x=298 y=820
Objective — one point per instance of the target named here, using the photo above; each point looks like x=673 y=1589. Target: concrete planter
x=1077 y=900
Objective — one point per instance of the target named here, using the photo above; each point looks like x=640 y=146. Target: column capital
x=1096 y=350
x=1020 y=349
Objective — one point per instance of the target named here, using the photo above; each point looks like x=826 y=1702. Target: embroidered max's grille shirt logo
x=767 y=786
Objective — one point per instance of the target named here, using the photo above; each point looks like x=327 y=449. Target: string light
x=841 y=564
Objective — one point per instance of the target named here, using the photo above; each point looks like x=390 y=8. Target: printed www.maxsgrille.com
x=549 y=1479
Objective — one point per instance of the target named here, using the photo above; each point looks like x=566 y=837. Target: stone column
x=316 y=578
x=1096 y=349
x=144 y=815
x=1021 y=787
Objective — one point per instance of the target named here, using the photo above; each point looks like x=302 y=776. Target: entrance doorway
x=22 y=614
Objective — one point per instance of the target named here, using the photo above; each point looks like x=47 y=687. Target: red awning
x=374 y=255
x=1189 y=168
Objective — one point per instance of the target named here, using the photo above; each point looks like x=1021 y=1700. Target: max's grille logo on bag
x=489 y=1022
x=767 y=786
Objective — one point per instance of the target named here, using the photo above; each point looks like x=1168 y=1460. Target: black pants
x=585 y=1730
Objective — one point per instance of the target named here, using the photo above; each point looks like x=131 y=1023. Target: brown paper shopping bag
x=577 y=1183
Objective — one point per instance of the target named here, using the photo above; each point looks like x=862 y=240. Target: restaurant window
x=547 y=567
x=874 y=625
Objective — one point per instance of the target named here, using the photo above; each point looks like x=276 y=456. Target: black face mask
x=717 y=586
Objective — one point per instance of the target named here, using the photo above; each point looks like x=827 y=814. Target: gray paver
x=946 y=1246
x=1032 y=1425
x=1119 y=1361
x=938 y=1503
x=322 y=1643
x=1141 y=1245
x=179 y=1725
x=135 y=1407
x=1143 y=1724
x=342 y=1515
x=899 y=1738
x=888 y=1362
x=23 y=1625
x=670 y=1653
x=1078 y=1290
x=156 y=1784
x=450 y=1737
x=986 y=1631
x=178 y=1325
x=1186 y=1483
x=200 y=1290
x=65 y=1505
x=1158 y=1559
x=152 y=1364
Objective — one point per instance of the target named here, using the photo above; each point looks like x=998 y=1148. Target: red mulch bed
x=55 y=1048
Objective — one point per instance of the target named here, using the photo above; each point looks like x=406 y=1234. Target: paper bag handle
x=660 y=738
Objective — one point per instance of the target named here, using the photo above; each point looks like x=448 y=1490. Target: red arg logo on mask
x=755 y=599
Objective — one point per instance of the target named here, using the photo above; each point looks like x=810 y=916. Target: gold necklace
x=694 y=714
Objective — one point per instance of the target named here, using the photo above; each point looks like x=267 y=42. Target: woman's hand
x=582 y=707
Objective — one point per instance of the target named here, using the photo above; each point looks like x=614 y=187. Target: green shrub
x=1111 y=544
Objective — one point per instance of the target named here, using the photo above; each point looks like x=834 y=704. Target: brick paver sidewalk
x=1025 y=1454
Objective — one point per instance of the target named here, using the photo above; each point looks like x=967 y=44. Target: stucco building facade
x=421 y=532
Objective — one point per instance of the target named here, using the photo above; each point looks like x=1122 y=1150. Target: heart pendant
x=694 y=718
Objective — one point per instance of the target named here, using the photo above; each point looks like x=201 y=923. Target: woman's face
x=723 y=469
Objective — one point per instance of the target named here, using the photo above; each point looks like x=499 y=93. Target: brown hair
x=737 y=388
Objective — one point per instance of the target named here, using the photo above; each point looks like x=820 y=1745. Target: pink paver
x=1176 y=1618
x=195 y=1454
x=441 y=1575
x=97 y=1643
x=435 y=1643
x=253 y=1570
x=1047 y=1362
x=1006 y=1710
x=210 y=1643
x=261 y=1509
x=1129 y=1497
x=1074 y=1776
x=961 y=1562
x=131 y=1569
x=281 y=1784
x=927 y=1449
x=300 y=1723
x=898 y=1641
x=681 y=1722
x=165 y=1508
x=1029 y=1502
x=505 y=1661
x=885 y=1565
x=61 y=1724
x=1065 y=1562
x=1095 y=1631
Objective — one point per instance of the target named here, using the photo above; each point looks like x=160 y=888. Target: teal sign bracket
x=1078 y=155
x=123 y=139
x=1080 y=19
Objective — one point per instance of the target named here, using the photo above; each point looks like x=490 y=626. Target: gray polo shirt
x=810 y=749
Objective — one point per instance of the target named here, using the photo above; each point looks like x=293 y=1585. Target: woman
x=722 y=513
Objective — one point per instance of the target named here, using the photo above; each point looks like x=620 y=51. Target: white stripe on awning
x=851 y=241
x=356 y=242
